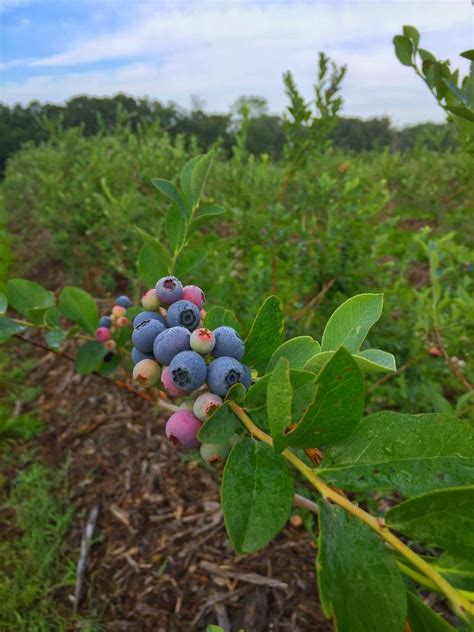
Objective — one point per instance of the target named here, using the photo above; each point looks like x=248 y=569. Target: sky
x=219 y=50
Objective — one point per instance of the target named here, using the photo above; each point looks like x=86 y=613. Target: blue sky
x=222 y=49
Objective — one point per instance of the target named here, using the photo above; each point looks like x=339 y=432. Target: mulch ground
x=161 y=559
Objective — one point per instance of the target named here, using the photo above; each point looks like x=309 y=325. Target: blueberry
x=150 y=300
x=170 y=342
x=102 y=334
x=169 y=290
x=118 y=310
x=105 y=321
x=213 y=453
x=223 y=373
x=144 y=335
x=123 y=301
x=147 y=373
x=228 y=343
x=168 y=384
x=139 y=318
x=184 y=314
x=188 y=371
x=205 y=405
x=247 y=376
x=138 y=355
x=202 y=340
x=194 y=294
x=182 y=428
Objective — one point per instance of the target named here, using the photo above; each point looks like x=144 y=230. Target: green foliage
x=79 y=306
x=220 y=426
x=266 y=334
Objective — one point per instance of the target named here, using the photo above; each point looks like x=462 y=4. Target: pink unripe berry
x=147 y=372
x=205 y=405
x=202 y=340
x=118 y=310
x=102 y=334
x=122 y=321
x=194 y=294
x=168 y=384
x=110 y=345
x=182 y=428
x=151 y=301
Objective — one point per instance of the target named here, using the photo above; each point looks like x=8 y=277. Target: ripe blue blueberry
x=105 y=321
x=184 y=314
x=247 y=376
x=139 y=318
x=169 y=290
x=144 y=334
x=228 y=343
x=223 y=373
x=170 y=342
x=137 y=356
x=188 y=371
x=123 y=301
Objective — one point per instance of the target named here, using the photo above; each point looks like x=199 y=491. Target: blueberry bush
x=394 y=492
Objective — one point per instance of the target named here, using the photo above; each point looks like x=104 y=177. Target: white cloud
x=223 y=50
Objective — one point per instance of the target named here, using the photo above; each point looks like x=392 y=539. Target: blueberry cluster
x=170 y=343
x=109 y=324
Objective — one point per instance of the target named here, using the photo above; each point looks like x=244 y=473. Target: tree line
x=265 y=133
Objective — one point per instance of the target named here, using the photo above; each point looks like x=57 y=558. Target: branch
x=456 y=371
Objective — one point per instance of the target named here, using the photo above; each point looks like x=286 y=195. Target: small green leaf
x=337 y=407
x=220 y=426
x=412 y=33
x=459 y=571
x=279 y=400
x=422 y=619
x=79 y=306
x=29 y=298
x=189 y=259
x=265 y=335
x=236 y=393
x=9 y=328
x=426 y=55
x=199 y=176
x=55 y=339
x=257 y=493
x=403 y=50
x=160 y=250
x=110 y=364
x=351 y=322
x=89 y=357
x=206 y=214
x=468 y=54
x=360 y=585
x=460 y=111
x=150 y=266
x=297 y=351
x=185 y=178
x=167 y=188
x=219 y=316
x=375 y=360
x=409 y=453
x=443 y=518
x=3 y=304
x=175 y=228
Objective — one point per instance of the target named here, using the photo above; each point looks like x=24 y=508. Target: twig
x=316 y=300
x=249 y=578
x=305 y=503
x=458 y=374
x=84 y=554
x=388 y=377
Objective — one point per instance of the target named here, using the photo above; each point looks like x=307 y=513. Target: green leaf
x=360 y=585
x=189 y=259
x=150 y=266
x=199 y=176
x=426 y=55
x=161 y=251
x=89 y=357
x=257 y=493
x=403 y=50
x=337 y=407
x=409 y=453
x=9 y=328
x=422 y=619
x=279 y=400
x=459 y=571
x=175 y=228
x=236 y=393
x=375 y=360
x=110 y=365
x=350 y=323
x=468 y=54
x=218 y=316
x=444 y=518
x=297 y=351
x=412 y=33
x=79 y=306
x=167 y=188
x=3 y=304
x=460 y=111
x=220 y=426
x=185 y=178
x=29 y=298
x=265 y=335
x=55 y=338
x=206 y=214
